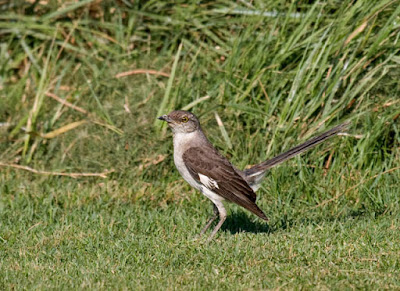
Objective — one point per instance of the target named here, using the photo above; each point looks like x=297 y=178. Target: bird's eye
x=185 y=119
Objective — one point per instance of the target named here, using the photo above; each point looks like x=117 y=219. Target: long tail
x=257 y=172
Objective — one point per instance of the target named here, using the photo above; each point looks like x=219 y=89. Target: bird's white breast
x=181 y=144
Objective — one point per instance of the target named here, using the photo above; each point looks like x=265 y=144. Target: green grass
x=273 y=80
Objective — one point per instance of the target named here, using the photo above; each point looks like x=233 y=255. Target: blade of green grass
x=166 y=98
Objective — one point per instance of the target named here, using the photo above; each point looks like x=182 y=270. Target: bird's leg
x=211 y=220
x=222 y=217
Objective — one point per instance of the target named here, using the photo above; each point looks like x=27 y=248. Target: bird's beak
x=165 y=118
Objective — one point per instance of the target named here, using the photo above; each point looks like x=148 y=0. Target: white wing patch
x=208 y=182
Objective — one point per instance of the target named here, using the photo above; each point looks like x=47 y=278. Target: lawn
x=89 y=194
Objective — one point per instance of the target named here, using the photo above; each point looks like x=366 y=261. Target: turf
x=89 y=195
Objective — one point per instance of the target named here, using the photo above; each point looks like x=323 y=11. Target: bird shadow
x=239 y=222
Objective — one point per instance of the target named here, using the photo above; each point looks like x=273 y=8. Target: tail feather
x=257 y=172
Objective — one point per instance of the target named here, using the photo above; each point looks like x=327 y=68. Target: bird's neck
x=184 y=140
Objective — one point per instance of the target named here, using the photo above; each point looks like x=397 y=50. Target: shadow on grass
x=240 y=222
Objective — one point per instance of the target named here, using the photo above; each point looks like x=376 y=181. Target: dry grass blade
x=356 y=32
x=66 y=103
x=151 y=161
x=94 y=119
x=141 y=71
x=63 y=129
x=72 y=175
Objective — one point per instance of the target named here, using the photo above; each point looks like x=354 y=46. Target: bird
x=207 y=170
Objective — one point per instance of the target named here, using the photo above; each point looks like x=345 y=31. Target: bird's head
x=181 y=121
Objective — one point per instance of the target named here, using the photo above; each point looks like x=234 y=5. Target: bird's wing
x=215 y=172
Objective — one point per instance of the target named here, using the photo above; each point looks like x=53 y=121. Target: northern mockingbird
x=205 y=169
